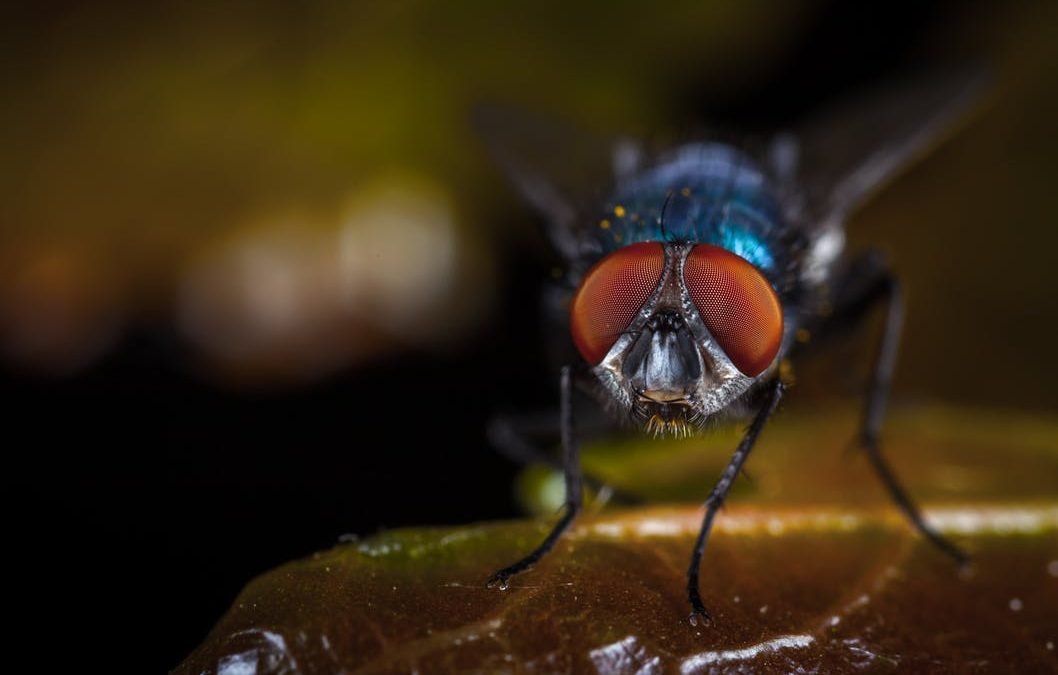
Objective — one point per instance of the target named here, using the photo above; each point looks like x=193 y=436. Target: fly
x=706 y=267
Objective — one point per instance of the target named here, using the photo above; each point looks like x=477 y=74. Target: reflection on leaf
x=804 y=583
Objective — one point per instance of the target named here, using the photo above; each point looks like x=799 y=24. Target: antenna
x=661 y=218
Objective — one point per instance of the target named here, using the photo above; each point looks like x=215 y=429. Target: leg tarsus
x=571 y=467
x=500 y=578
x=903 y=501
x=698 y=610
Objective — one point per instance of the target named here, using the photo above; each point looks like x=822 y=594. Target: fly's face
x=675 y=331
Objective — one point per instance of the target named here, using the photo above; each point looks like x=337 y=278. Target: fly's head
x=675 y=331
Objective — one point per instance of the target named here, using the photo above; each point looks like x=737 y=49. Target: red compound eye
x=612 y=292
x=737 y=304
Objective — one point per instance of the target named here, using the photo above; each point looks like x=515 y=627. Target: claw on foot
x=700 y=615
x=498 y=580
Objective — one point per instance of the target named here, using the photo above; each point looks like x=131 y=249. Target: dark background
x=148 y=481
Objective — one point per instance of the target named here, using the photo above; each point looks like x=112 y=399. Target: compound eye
x=612 y=293
x=737 y=305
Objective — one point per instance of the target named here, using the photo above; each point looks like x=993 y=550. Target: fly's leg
x=719 y=493
x=571 y=467
x=514 y=436
x=873 y=284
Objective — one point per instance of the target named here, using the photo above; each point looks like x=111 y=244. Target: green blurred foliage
x=946 y=455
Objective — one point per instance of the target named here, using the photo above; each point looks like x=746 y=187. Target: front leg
x=719 y=493
x=571 y=468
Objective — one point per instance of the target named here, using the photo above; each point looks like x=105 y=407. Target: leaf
x=806 y=456
x=798 y=583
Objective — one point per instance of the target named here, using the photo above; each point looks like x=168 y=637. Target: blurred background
x=260 y=285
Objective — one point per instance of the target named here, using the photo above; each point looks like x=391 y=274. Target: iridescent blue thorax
x=707 y=193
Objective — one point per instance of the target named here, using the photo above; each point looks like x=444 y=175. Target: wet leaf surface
x=794 y=578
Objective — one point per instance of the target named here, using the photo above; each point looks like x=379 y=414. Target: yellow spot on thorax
x=619 y=211
x=605 y=224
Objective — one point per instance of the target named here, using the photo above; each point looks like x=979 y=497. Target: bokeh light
x=300 y=296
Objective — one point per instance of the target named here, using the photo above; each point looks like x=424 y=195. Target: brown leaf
x=823 y=590
x=795 y=579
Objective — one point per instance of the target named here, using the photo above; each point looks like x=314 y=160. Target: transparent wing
x=561 y=171
x=852 y=151
x=826 y=168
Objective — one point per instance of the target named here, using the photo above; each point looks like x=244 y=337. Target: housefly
x=706 y=267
